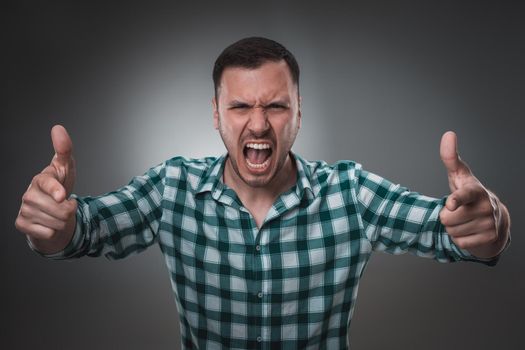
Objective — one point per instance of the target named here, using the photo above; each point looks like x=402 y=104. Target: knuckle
x=39 y=180
x=28 y=197
x=493 y=237
x=19 y=223
x=24 y=211
x=21 y=226
x=489 y=223
x=486 y=207
x=36 y=178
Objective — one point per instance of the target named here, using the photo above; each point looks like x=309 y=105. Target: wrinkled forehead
x=271 y=80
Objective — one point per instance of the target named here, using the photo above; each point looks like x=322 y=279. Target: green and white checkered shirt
x=291 y=283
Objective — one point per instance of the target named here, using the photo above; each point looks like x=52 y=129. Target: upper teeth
x=258 y=145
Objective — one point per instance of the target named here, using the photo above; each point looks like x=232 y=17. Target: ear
x=215 y=113
x=299 y=114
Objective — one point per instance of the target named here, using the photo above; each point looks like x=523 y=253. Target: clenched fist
x=46 y=215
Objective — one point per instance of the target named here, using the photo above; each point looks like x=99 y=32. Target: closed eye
x=239 y=106
x=277 y=106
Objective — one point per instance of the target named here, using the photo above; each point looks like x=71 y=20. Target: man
x=263 y=248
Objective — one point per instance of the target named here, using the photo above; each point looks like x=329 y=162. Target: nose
x=258 y=123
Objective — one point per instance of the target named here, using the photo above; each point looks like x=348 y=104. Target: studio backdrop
x=381 y=81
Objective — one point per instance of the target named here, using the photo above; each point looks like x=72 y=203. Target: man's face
x=258 y=116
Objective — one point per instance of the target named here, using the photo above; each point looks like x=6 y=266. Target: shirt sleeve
x=397 y=221
x=118 y=223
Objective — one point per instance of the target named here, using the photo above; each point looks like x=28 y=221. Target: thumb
x=63 y=162
x=63 y=146
x=448 y=151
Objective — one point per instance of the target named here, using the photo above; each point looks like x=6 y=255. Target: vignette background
x=381 y=81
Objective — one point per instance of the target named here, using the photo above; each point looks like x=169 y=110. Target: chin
x=254 y=179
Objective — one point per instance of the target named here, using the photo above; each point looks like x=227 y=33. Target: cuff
x=467 y=256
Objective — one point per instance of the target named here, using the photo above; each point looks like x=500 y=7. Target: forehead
x=269 y=80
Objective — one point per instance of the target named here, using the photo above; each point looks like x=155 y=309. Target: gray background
x=381 y=81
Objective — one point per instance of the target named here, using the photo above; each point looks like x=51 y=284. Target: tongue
x=257 y=156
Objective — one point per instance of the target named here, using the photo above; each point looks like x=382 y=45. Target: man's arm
x=121 y=222
x=115 y=224
x=473 y=216
x=461 y=226
x=396 y=220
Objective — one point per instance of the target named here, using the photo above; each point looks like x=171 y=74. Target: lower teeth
x=258 y=166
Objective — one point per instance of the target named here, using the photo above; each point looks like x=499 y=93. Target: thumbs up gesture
x=473 y=216
x=46 y=215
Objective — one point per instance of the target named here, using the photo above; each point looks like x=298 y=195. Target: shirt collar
x=305 y=181
x=212 y=179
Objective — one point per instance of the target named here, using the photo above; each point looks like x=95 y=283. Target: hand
x=473 y=216
x=46 y=215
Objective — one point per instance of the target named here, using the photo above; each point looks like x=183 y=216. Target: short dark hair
x=252 y=53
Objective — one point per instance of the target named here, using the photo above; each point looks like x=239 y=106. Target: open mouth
x=257 y=155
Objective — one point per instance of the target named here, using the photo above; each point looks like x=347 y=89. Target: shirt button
x=260 y=294
x=259 y=339
x=258 y=248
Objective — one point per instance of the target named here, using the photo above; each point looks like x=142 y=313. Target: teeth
x=258 y=145
x=258 y=166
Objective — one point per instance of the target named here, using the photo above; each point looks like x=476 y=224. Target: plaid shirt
x=292 y=283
